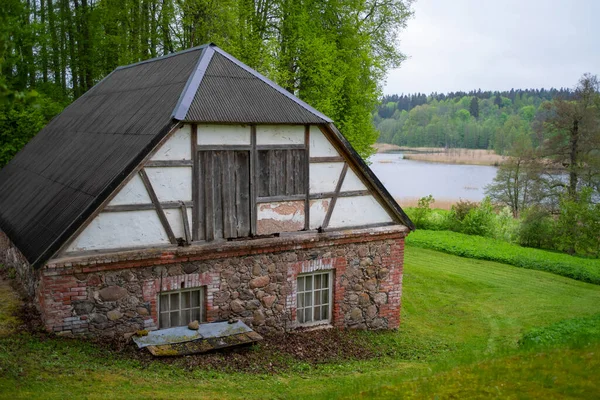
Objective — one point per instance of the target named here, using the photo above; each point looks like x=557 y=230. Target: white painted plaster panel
x=114 y=230
x=357 y=211
x=352 y=182
x=223 y=135
x=177 y=147
x=320 y=145
x=323 y=177
x=277 y=217
x=280 y=134
x=134 y=192
x=318 y=209
x=176 y=221
x=171 y=183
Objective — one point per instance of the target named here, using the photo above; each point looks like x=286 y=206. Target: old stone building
x=191 y=187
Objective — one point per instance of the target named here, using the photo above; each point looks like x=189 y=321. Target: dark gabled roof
x=230 y=91
x=55 y=183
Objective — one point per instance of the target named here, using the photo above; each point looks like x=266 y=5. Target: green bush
x=582 y=269
x=536 y=228
x=506 y=227
x=472 y=218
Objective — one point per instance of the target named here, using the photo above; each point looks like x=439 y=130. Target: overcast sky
x=497 y=45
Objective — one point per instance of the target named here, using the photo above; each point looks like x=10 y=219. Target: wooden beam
x=169 y=163
x=367 y=226
x=307 y=178
x=326 y=159
x=195 y=183
x=159 y=210
x=223 y=147
x=186 y=223
x=274 y=199
x=338 y=188
x=281 y=147
x=167 y=205
x=253 y=181
x=328 y=195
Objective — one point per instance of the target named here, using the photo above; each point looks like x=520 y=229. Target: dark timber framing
x=161 y=213
x=169 y=163
x=195 y=182
x=253 y=180
x=326 y=159
x=166 y=205
x=336 y=194
x=307 y=174
x=186 y=223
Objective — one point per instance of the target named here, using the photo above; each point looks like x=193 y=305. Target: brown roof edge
x=383 y=193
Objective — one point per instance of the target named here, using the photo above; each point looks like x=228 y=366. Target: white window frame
x=299 y=309
x=202 y=306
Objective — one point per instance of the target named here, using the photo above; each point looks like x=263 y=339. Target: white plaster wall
x=352 y=182
x=223 y=135
x=357 y=211
x=279 y=134
x=320 y=145
x=324 y=176
x=177 y=147
x=171 y=183
x=114 y=230
x=176 y=221
x=134 y=192
x=318 y=209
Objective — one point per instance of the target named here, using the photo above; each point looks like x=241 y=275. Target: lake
x=408 y=180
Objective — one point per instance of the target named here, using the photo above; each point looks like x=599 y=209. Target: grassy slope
x=461 y=321
x=583 y=269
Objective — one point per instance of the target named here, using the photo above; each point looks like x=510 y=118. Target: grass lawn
x=461 y=323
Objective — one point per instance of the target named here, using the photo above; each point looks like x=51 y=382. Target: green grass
x=462 y=322
x=582 y=269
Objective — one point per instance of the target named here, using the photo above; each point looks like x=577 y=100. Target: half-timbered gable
x=238 y=191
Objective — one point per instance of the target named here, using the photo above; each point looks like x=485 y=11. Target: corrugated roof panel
x=229 y=93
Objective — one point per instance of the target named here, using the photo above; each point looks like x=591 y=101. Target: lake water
x=409 y=179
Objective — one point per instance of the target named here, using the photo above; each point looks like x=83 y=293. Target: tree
x=474 y=107
x=571 y=132
x=516 y=184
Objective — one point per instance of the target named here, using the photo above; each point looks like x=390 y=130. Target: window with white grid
x=180 y=307
x=313 y=298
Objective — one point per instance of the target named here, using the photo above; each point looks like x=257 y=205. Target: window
x=313 y=298
x=179 y=308
x=281 y=172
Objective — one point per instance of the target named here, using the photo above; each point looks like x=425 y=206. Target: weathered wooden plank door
x=223 y=208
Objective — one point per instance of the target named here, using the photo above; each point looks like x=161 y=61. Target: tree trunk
x=54 y=40
x=43 y=45
x=573 y=153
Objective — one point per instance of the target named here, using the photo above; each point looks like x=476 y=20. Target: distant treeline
x=476 y=119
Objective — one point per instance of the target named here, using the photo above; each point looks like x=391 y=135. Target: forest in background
x=333 y=55
x=475 y=120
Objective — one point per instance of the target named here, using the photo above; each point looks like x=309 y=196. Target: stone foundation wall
x=12 y=259
x=116 y=296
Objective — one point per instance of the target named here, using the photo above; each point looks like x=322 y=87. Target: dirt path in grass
x=9 y=306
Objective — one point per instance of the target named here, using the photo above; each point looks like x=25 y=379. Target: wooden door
x=223 y=208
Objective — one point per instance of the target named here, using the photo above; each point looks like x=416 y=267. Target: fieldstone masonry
x=255 y=281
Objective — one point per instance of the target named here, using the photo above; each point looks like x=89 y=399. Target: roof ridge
x=159 y=58
x=191 y=87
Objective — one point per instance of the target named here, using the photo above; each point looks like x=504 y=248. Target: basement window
x=313 y=298
x=180 y=307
